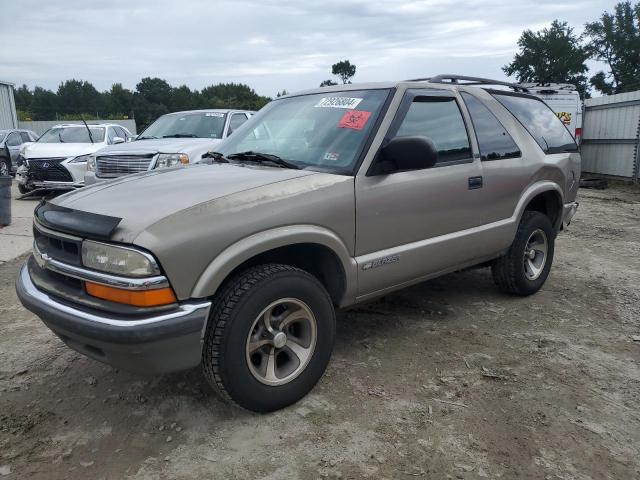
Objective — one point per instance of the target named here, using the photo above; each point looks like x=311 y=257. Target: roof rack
x=455 y=79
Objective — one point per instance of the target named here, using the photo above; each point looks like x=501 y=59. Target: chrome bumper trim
x=183 y=310
x=144 y=283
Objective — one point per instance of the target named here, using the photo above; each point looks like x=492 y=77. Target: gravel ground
x=448 y=379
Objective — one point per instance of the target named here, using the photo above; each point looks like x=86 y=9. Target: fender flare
x=230 y=258
x=533 y=191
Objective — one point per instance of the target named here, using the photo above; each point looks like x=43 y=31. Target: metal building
x=8 y=115
x=611 y=135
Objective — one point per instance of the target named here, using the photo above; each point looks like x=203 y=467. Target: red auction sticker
x=355 y=119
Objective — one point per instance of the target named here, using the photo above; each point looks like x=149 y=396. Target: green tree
x=182 y=98
x=327 y=83
x=615 y=40
x=77 y=97
x=231 y=95
x=23 y=98
x=344 y=70
x=118 y=101
x=44 y=104
x=552 y=55
x=154 y=90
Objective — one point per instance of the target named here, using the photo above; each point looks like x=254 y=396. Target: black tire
x=24 y=189
x=509 y=270
x=5 y=164
x=235 y=308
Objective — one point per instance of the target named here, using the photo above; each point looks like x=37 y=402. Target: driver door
x=413 y=224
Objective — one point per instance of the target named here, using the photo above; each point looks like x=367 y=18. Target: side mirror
x=407 y=153
x=117 y=140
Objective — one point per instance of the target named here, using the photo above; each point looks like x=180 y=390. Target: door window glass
x=439 y=119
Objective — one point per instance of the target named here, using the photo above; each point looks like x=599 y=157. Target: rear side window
x=540 y=121
x=494 y=141
x=237 y=119
x=439 y=119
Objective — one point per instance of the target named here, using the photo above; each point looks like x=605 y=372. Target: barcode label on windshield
x=339 y=102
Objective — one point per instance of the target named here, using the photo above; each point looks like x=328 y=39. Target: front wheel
x=5 y=166
x=269 y=338
x=24 y=189
x=526 y=265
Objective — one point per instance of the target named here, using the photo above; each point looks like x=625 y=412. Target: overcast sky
x=269 y=44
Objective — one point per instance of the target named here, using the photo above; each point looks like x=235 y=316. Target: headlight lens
x=91 y=163
x=80 y=159
x=166 y=160
x=118 y=260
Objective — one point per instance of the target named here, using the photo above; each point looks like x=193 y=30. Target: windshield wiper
x=216 y=156
x=148 y=137
x=181 y=135
x=262 y=158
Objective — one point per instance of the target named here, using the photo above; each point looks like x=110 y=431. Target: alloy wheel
x=281 y=341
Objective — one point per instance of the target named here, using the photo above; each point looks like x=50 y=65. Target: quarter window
x=494 y=141
x=237 y=119
x=539 y=120
x=439 y=119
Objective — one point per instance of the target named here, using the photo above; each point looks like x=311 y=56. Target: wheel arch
x=314 y=249
x=544 y=197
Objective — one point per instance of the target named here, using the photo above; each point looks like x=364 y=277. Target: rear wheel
x=526 y=265
x=269 y=338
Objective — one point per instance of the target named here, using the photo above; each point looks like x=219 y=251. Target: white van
x=564 y=100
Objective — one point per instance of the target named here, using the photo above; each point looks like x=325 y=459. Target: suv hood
x=143 y=199
x=53 y=150
x=161 y=145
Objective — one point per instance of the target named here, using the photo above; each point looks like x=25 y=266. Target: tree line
x=558 y=55
x=152 y=97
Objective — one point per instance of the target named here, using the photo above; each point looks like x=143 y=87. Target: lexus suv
x=58 y=159
x=174 y=139
x=322 y=200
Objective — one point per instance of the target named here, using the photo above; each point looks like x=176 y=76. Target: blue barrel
x=5 y=200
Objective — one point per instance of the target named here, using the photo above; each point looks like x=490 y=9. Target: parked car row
x=11 y=142
x=69 y=156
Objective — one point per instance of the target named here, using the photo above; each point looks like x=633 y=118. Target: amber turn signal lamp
x=137 y=298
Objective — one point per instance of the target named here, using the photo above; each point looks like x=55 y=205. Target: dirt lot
x=448 y=379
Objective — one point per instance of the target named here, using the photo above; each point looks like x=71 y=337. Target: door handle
x=475 y=182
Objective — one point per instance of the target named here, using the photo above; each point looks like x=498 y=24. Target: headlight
x=116 y=260
x=91 y=163
x=166 y=160
x=80 y=159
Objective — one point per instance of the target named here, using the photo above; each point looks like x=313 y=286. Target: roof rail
x=455 y=79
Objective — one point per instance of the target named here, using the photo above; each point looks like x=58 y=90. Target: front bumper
x=90 y=178
x=568 y=212
x=159 y=343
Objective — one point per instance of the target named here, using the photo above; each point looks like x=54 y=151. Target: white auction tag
x=338 y=102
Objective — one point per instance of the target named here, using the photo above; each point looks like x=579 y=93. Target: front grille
x=58 y=247
x=48 y=169
x=118 y=165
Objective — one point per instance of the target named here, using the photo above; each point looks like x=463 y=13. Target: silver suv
x=323 y=199
x=173 y=139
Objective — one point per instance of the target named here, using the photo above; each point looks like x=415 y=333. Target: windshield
x=72 y=135
x=324 y=131
x=196 y=125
